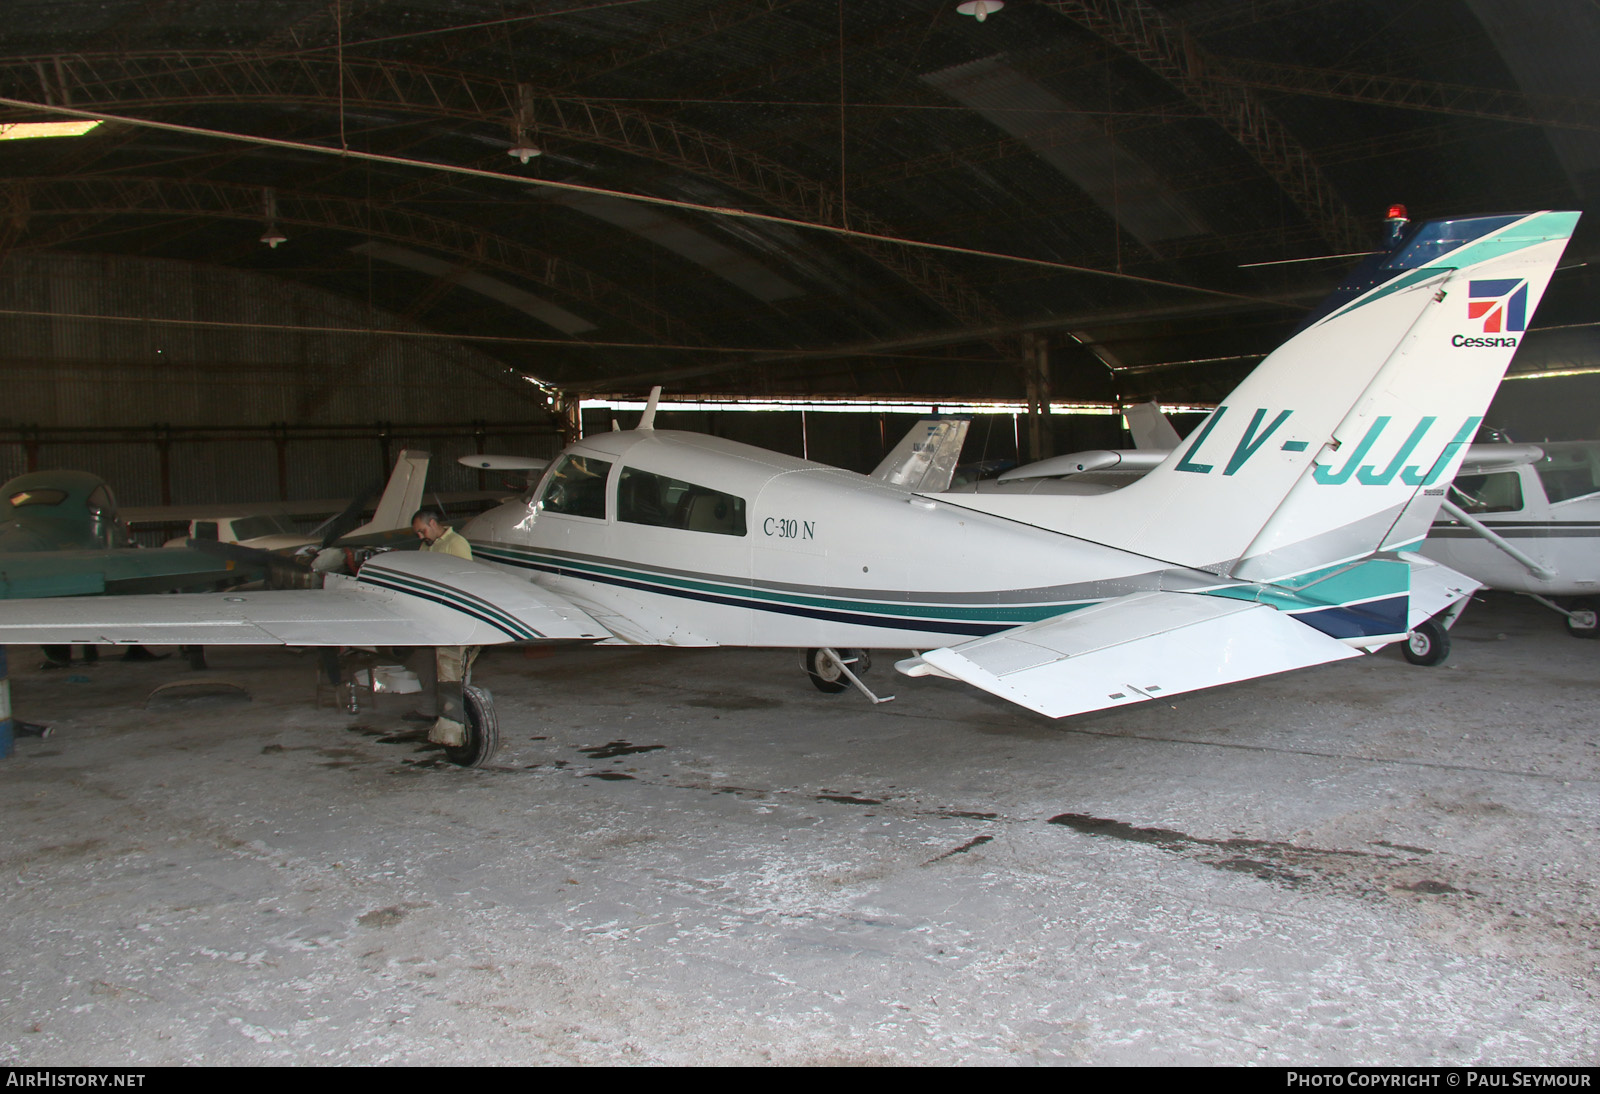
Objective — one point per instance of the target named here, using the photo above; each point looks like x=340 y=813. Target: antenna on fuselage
x=649 y=419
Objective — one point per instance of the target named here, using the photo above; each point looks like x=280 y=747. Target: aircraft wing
x=410 y=599
x=1096 y=459
x=114 y=570
x=1484 y=459
x=1131 y=648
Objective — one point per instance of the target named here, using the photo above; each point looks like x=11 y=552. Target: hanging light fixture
x=980 y=9
x=524 y=151
x=521 y=147
x=269 y=201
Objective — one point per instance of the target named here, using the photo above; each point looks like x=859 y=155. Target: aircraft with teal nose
x=60 y=535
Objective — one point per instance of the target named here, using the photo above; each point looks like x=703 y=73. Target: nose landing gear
x=832 y=671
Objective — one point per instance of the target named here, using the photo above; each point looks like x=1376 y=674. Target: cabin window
x=38 y=497
x=643 y=498
x=577 y=487
x=1570 y=472
x=256 y=527
x=205 y=529
x=1497 y=493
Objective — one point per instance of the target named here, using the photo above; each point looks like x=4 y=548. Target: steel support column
x=1036 y=380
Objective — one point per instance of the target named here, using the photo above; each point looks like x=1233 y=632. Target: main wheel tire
x=1584 y=622
x=825 y=675
x=483 y=730
x=1428 y=644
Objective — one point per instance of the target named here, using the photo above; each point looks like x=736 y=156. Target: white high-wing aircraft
x=1529 y=523
x=1265 y=542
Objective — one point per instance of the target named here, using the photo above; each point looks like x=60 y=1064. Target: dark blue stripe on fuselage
x=933 y=626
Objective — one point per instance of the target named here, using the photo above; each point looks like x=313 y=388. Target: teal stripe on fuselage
x=879 y=612
x=1335 y=586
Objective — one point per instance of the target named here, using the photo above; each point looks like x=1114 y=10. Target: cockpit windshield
x=37 y=497
x=577 y=487
x=257 y=527
x=1569 y=470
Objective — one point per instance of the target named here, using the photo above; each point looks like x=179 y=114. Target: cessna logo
x=1502 y=305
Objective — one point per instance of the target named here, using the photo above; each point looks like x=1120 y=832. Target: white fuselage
x=1561 y=537
x=827 y=557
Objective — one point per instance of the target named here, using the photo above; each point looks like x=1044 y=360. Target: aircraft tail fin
x=1342 y=442
x=1151 y=428
x=401 y=497
x=926 y=457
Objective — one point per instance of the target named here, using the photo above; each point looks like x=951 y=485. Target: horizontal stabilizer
x=1132 y=648
x=399 y=599
x=1435 y=588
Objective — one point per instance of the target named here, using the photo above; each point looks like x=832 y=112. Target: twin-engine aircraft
x=1268 y=541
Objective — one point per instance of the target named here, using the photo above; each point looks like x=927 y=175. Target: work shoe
x=447 y=732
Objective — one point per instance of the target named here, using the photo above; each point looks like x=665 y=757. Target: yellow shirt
x=451 y=543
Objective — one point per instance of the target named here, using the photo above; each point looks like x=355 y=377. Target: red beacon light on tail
x=1394 y=225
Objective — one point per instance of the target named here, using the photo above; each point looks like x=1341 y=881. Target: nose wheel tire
x=825 y=674
x=1428 y=644
x=483 y=730
x=1584 y=622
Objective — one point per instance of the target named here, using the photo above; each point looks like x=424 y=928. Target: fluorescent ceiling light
x=1550 y=373
x=19 y=131
x=863 y=406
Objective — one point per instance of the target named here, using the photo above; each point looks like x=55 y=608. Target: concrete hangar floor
x=693 y=857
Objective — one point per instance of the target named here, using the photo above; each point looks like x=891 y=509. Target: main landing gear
x=483 y=729
x=832 y=671
x=459 y=700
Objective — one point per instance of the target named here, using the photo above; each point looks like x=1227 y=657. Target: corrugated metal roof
x=1175 y=140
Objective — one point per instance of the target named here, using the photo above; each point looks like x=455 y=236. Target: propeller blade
x=350 y=518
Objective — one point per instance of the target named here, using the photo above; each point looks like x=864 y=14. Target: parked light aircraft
x=60 y=536
x=1265 y=542
x=402 y=496
x=1519 y=517
x=1529 y=523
